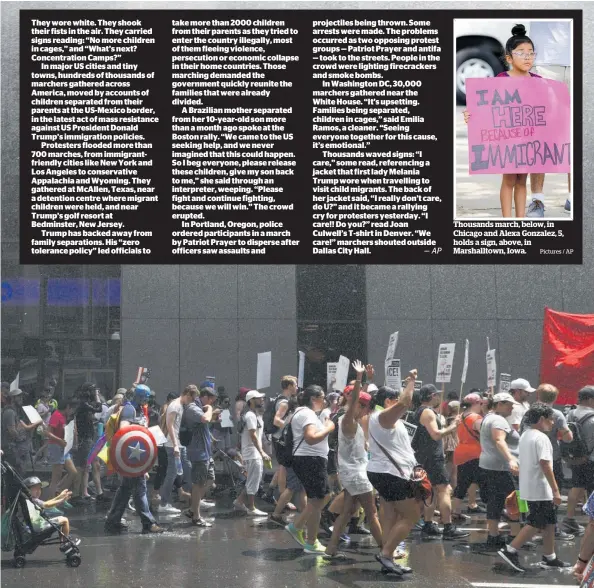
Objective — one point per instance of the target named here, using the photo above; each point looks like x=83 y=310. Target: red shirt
x=57 y=423
x=469 y=446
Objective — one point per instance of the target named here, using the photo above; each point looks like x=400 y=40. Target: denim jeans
x=135 y=488
x=167 y=486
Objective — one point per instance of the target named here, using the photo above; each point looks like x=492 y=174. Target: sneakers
x=278 y=519
x=358 y=530
x=296 y=534
x=153 y=529
x=238 y=506
x=478 y=509
x=316 y=549
x=536 y=209
x=168 y=509
x=563 y=536
x=326 y=522
x=256 y=513
x=573 y=527
x=451 y=532
x=553 y=564
x=201 y=523
x=345 y=538
x=460 y=518
x=101 y=498
x=206 y=504
x=389 y=565
x=131 y=505
x=511 y=559
x=431 y=530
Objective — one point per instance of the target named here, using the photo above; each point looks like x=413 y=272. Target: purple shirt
x=505 y=74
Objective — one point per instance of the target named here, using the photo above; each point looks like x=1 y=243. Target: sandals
x=201 y=523
x=335 y=556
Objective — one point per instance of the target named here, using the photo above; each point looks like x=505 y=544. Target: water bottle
x=178 y=466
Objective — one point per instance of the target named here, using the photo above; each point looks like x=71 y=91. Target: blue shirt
x=199 y=448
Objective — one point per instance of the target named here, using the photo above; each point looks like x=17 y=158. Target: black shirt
x=424 y=445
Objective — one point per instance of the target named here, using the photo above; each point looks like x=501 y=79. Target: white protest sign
x=392 y=343
x=331 y=368
x=393 y=375
x=160 y=439
x=491 y=369
x=342 y=372
x=226 y=421
x=69 y=436
x=263 y=370
x=301 y=369
x=410 y=429
x=465 y=368
x=504 y=382
x=32 y=414
x=445 y=362
x=418 y=384
x=14 y=385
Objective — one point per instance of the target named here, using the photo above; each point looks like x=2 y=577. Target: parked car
x=480 y=50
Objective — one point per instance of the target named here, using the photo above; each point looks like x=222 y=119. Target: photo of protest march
x=513 y=119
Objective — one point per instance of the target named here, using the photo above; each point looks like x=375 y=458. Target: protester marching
x=382 y=462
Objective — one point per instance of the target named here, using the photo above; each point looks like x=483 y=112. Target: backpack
x=241 y=423
x=577 y=449
x=269 y=427
x=185 y=430
x=112 y=424
x=284 y=444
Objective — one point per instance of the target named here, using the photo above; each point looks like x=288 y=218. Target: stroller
x=17 y=529
x=234 y=476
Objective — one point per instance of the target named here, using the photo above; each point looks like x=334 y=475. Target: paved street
x=478 y=196
x=238 y=552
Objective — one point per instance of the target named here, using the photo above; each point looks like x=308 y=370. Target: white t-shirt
x=302 y=418
x=324 y=415
x=534 y=446
x=396 y=442
x=518 y=412
x=175 y=407
x=552 y=42
x=252 y=423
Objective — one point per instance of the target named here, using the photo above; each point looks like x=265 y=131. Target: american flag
x=142 y=375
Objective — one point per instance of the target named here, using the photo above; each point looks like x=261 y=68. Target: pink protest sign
x=518 y=125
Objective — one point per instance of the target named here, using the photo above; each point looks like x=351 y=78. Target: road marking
x=503 y=585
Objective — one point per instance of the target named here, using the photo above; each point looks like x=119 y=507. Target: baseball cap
x=332 y=396
x=34 y=481
x=207 y=384
x=243 y=392
x=521 y=384
x=503 y=397
x=254 y=394
x=365 y=398
x=371 y=388
x=15 y=392
x=427 y=391
x=473 y=398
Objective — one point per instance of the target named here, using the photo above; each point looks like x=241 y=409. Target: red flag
x=567 y=356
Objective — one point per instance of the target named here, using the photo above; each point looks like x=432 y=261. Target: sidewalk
x=478 y=196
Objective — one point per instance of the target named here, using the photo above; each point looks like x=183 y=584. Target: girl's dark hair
x=300 y=399
x=310 y=393
x=383 y=393
x=518 y=37
x=64 y=403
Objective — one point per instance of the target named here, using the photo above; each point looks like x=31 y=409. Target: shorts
x=255 y=470
x=202 y=471
x=559 y=73
x=541 y=514
x=82 y=452
x=293 y=482
x=497 y=486
x=582 y=476
x=468 y=473
x=356 y=484
x=332 y=463
x=391 y=488
x=55 y=454
x=312 y=472
x=436 y=471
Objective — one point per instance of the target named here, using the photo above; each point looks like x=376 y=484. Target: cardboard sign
x=69 y=436
x=301 y=369
x=393 y=375
x=418 y=385
x=491 y=369
x=263 y=370
x=226 y=421
x=342 y=372
x=518 y=125
x=158 y=435
x=504 y=382
x=445 y=362
x=392 y=343
x=465 y=368
x=331 y=368
x=32 y=414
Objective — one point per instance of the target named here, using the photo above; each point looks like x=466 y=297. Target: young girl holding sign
x=520 y=55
